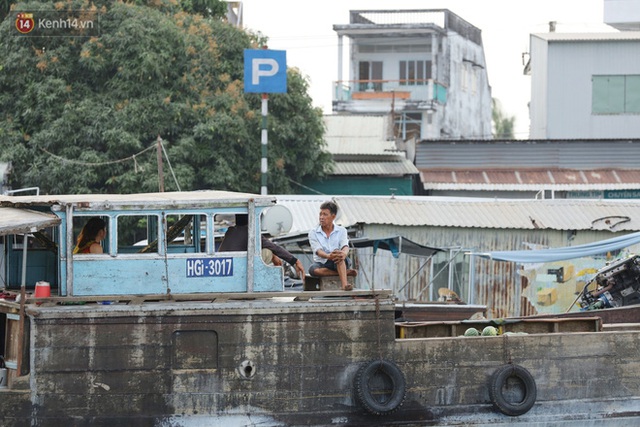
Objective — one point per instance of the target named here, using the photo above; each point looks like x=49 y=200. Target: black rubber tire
x=379 y=399
x=497 y=386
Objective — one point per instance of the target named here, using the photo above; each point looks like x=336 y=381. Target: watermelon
x=471 y=332
x=489 y=331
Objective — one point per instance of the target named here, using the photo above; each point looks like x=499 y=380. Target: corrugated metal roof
x=537 y=154
x=16 y=221
x=400 y=167
x=572 y=37
x=168 y=199
x=558 y=214
x=304 y=209
x=358 y=134
x=530 y=179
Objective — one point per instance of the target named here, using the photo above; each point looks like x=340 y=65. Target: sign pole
x=264 y=140
x=265 y=72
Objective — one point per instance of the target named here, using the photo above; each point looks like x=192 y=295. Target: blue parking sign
x=265 y=71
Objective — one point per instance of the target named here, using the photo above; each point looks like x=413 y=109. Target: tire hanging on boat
x=380 y=387
x=497 y=390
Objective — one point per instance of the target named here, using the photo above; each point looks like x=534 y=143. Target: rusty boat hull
x=277 y=361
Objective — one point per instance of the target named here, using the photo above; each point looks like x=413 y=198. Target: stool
x=326 y=283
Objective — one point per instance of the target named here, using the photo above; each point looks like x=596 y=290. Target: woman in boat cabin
x=93 y=232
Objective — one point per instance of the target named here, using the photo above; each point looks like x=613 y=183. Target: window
x=615 y=94
x=370 y=76
x=186 y=233
x=414 y=72
x=79 y=221
x=137 y=233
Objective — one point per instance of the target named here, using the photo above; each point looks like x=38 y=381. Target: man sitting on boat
x=330 y=245
x=235 y=239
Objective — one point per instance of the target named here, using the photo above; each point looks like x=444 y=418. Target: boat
x=178 y=333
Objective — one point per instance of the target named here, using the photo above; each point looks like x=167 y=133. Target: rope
x=136 y=167
x=169 y=163
x=305 y=187
x=78 y=162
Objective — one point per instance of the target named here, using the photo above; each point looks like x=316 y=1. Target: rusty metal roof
x=556 y=214
x=530 y=179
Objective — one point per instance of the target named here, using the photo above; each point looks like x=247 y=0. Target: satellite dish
x=277 y=220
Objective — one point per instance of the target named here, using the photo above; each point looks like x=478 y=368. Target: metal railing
x=414 y=90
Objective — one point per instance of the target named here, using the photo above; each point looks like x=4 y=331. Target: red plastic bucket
x=43 y=290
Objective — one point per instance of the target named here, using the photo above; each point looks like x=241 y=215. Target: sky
x=304 y=29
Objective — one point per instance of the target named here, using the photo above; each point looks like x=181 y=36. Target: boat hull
x=284 y=362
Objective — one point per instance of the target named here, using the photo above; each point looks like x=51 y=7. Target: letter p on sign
x=265 y=71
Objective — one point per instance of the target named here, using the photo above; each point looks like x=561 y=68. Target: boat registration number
x=209 y=267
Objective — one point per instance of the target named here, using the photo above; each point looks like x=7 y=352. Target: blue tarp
x=567 y=252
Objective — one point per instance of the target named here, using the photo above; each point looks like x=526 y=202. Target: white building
x=587 y=85
x=424 y=67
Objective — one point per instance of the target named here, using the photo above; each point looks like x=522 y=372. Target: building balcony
x=380 y=95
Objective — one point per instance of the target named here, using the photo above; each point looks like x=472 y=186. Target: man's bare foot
x=352 y=272
x=347 y=287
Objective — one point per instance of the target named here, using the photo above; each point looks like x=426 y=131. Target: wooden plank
x=530 y=326
x=137 y=299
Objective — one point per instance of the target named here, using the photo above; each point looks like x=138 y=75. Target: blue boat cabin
x=156 y=243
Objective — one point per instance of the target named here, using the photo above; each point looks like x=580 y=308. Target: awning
x=567 y=252
x=396 y=245
x=20 y=221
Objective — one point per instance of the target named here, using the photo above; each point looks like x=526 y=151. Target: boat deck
x=12 y=299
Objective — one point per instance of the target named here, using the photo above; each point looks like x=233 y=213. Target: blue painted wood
x=148 y=274
x=132 y=273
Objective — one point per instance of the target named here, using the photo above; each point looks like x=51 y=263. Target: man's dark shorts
x=329 y=264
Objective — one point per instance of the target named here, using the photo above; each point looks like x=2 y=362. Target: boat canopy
x=567 y=252
x=20 y=221
x=396 y=245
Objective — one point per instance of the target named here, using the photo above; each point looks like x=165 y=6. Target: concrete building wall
x=467 y=114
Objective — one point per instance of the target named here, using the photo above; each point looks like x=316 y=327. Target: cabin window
x=40 y=240
x=234 y=230
x=137 y=233
x=186 y=233
x=79 y=221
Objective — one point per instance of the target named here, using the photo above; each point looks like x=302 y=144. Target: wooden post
x=160 y=172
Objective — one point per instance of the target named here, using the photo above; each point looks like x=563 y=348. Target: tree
x=503 y=126
x=80 y=114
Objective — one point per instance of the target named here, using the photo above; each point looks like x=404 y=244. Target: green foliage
x=503 y=126
x=78 y=114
